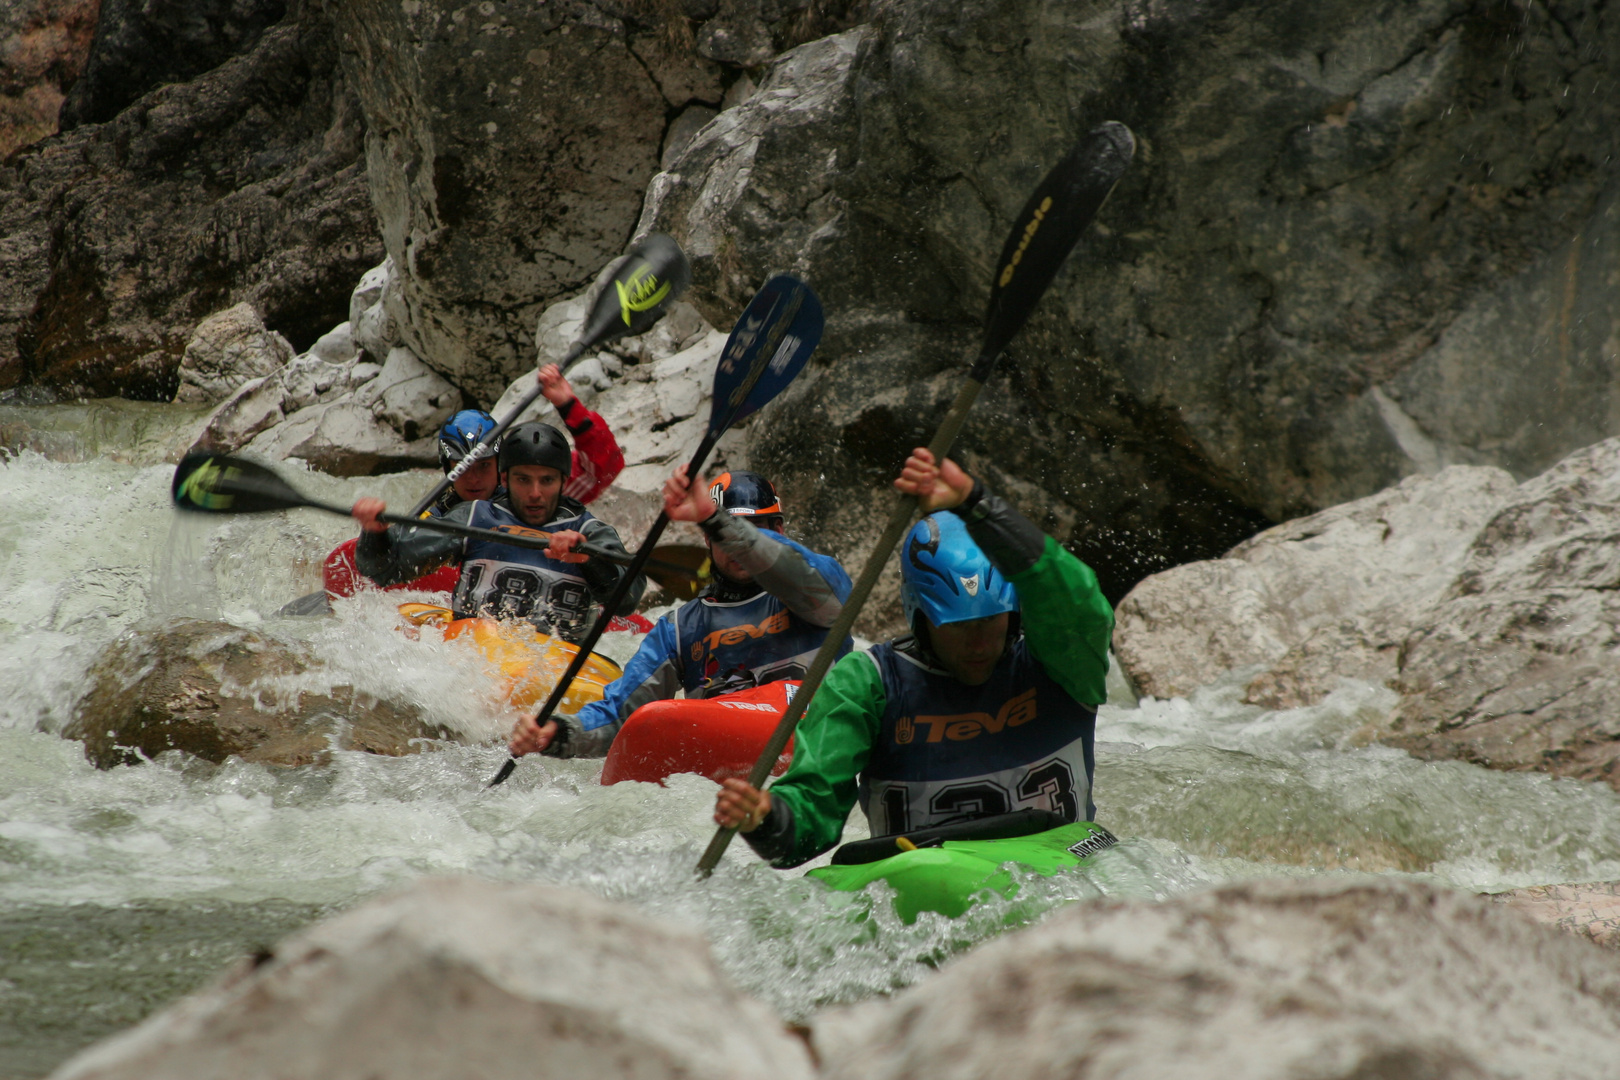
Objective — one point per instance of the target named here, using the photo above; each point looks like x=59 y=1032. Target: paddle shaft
x=537 y=543
x=500 y=429
x=899 y=521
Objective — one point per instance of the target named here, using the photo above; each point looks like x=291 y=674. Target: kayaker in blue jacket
x=761 y=619
x=989 y=706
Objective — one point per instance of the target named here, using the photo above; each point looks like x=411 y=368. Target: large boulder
x=1323 y=979
x=245 y=184
x=1326 y=596
x=1323 y=273
x=465 y=978
x=209 y=689
x=1518 y=667
x=227 y=350
x=43 y=48
x=1591 y=911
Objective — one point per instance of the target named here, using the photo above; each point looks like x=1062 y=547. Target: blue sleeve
x=653 y=674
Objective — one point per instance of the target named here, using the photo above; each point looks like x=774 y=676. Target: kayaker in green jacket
x=988 y=707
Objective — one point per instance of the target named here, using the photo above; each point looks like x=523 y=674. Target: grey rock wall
x=1358 y=243
x=244 y=184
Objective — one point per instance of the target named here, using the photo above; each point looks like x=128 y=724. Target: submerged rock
x=1324 y=979
x=465 y=978
x=208 y=689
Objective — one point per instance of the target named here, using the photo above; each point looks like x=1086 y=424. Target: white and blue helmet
x=945 y=576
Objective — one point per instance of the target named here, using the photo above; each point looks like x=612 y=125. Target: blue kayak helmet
x=945 y=576
x=461 y=433
x=747 y=494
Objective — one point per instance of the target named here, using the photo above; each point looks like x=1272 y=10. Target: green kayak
x=936 y=873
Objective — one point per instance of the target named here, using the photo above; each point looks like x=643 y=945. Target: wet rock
x=43 y=48
x=507 y=155
x=1590 y=911
x=343 y=438
x=207 y=689
x=245 y=184
x=1288 y=303
x=1326 y=596
x=1516 y=666
x=465 y=977
x=1268 y=979
x=227 y=350
x=143 y=44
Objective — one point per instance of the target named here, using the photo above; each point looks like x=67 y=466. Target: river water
x=122 y=889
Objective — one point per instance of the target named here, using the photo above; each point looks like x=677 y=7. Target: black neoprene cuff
x=772 y=840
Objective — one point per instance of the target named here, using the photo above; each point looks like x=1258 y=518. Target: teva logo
x=736 y=635
x=964 y=726
x=1029 y=234
x=1100 y=840
x=642 y=292
x=751 y=706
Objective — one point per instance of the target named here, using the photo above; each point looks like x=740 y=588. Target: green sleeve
x=1067 y=622
x=830 y=748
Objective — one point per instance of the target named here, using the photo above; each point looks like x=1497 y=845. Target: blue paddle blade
x=770 y=343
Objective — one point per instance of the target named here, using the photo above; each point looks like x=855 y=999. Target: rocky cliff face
x=244 y=184
x=1357 y=244
x=43 y=48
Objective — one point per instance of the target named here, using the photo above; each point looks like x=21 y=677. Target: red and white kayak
x=718 y=737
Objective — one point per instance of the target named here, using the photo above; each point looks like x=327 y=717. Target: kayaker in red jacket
x=597 y=462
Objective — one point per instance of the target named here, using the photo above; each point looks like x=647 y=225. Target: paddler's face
x=479 y=481
x=969 y=649
x=534 y=491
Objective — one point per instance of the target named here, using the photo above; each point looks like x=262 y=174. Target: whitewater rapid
x=121 y=889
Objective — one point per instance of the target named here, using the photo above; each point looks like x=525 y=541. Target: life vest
x=721 y=647
x=500 y=581
x=948 y=752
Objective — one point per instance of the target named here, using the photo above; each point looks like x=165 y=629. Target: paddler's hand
x=555 y=387
x=740 y=805
x=563 y=543
x=529 y=737
x=366 y=512
x=937 y=487
x=685 y=500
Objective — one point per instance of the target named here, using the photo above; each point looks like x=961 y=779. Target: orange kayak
x=718 y=737
x=526 y=662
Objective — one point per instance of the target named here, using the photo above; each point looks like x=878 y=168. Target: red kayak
x=718 y=737
x=340 y=578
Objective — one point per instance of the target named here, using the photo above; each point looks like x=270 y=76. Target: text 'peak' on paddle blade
x=770 y=344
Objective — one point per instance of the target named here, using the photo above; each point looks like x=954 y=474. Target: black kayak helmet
x=747 y=494
x=535 y=443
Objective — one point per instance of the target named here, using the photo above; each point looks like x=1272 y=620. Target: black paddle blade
x=693 y=562
x=776 y=334
x=218 y=484
x=641 y=290
x=1049 y=226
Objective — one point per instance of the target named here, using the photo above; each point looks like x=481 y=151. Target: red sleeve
x=597 y=461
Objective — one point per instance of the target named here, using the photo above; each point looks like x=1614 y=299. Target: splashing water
x=148 y=878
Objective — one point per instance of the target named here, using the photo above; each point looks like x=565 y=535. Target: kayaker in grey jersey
x=554 y=588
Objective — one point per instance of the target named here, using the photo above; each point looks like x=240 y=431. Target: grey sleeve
x=405 y=553
x=601 y=576
x=1010 y=540
x=574 y=741
x=779 y=567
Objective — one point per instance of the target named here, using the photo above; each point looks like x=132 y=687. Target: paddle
x=770 y=343
x=220 y=484
x=1045 y=231
x=650 y=279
